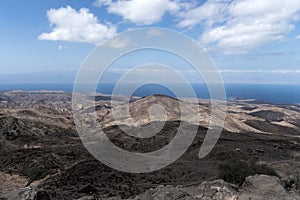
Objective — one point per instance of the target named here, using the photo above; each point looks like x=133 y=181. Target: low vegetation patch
x=235 y=171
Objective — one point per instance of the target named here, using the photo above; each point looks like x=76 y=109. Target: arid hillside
x=42 y=156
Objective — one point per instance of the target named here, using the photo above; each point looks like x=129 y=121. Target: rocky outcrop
x=217 y=189
x=262 y=187
x=19 y=194
x=257 y=187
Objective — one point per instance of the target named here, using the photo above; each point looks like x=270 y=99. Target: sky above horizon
x=251 y=41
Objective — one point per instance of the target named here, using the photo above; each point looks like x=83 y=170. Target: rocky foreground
x=42 y=157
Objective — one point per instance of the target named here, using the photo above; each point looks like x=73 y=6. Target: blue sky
x=251 y=41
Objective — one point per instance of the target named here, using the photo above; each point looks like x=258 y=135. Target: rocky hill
x=241 y=116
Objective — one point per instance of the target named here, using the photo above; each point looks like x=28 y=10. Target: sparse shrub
x=293 y=184
x=4 y=154
x=235 y=171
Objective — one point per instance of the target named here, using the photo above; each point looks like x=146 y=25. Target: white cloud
x=153 y=33
x=76 y=26
x=239 y=25
x=285 y=71
x=232 y=26
x=297 y=37
x=211 y=12
x=119 y=43
x=102 y=2
x=252 y=23
x=140 y=12
x=275 y=71
x=60 y=47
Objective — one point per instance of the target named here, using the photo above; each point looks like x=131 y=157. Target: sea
x=269 y=93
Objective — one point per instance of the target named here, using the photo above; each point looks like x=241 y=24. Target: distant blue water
x=280 y=94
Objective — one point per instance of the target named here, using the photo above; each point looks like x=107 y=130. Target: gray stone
x=263 y=187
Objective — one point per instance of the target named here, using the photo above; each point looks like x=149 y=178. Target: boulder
x=165 y=192
x=263 y=187
x=218 y=190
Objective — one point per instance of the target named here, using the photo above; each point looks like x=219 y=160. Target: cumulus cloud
x=140 y=12
x=76 y=26
x=232 y=26
x=237 y=26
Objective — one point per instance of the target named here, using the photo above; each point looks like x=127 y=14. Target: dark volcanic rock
x=42 y=195
x=268 y=115
x=11 y=127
